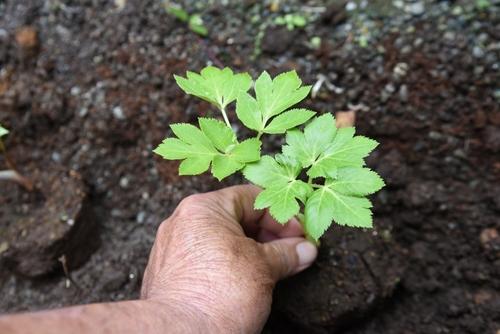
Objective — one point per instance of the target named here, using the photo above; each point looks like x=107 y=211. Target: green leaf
x=282 y=201
x=326 y=204
x=196 y=25
x=308 y=145
x=3 y=131
x=222 y=167
x=194 y=165
x=288 y=119
x=356 y=181
x=248 y=112
x=219 y=87
x=345 y=151
x=214 y=144
x=177 y=12
x=190 y=134
x=221 y=136
x=267 y=172
x=175 y=149
x=277 y=95
x=282 y=189
x=246 y=151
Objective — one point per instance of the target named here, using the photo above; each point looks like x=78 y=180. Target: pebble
x=118 y=113
x=140 y=217
x=416 y=8
x=403 y=93
x=124 y=182
x=478 y=52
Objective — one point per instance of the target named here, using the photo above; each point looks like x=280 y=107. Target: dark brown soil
x=88 y=86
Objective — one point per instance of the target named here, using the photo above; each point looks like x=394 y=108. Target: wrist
x=168 y=315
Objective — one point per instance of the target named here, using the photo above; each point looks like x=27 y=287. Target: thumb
x=288 y=256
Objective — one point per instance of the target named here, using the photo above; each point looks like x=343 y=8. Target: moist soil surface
x=86 y=87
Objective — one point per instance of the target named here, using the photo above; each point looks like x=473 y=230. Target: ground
x=86 y=89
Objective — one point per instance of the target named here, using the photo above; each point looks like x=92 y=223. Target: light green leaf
x=282 y=201
x=284 y=91
x=222 y=167
x=267 y=172
x=326 y=204
x=221 y=136
x=219 y=87
x=3 y=131
x=196 y=24
x=248 y=112
x=190 y=134
x=246 y=151
x=194 y=165
x=308 y=145
x=356 y=181
x=231 y=162
x=218 y=146
x=288 y=119
x=175 y=149
x=343 y=152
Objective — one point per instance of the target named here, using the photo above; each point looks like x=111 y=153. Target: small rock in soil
x=354 y=272
x=57 y=223
x=27 y=38
x=489 y=237
x=277 y=40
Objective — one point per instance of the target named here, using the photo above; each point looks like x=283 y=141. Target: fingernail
x=306 y=252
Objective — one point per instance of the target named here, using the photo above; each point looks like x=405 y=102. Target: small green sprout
x=291 y=21
x=195 y=21
x=319 y=176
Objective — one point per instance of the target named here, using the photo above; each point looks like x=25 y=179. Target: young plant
x=195 y=21
x=11 y=174
x=319 y=175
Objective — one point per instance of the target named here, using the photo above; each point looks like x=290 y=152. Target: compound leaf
x=282 y=190
x=282 y=201
x=288 y=120
x=308 y=145
x=345 y=151
x=221 y=136
x=219 y=87
x=216 y=144
x=325 y=204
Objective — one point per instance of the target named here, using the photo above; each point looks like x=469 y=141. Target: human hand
x=218 y=260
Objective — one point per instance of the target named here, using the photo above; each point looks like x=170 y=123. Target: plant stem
x=259 y=134
x=224 y=115
x=14 y=176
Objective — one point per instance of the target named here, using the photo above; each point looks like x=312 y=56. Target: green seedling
x=319 y=176
x=11 y=174
x=194 y=22
x=291 y=21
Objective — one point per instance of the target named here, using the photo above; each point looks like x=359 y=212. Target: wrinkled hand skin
x=218 y=260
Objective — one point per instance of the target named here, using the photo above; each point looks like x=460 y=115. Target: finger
x=237 y=203
x=288 y=230
x=289 y=256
